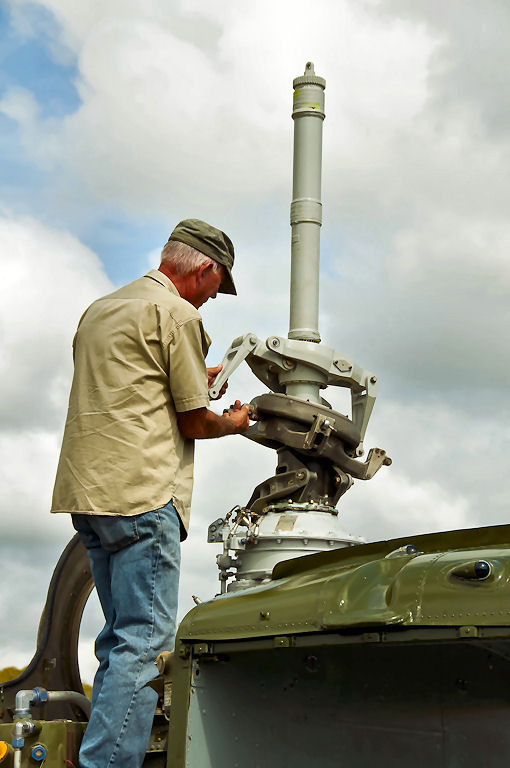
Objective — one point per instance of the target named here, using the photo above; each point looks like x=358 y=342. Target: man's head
x=198 y=258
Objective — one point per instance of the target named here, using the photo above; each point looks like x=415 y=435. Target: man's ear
x=203 y=271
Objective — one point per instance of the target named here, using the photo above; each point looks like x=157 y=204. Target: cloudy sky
x=120 y=117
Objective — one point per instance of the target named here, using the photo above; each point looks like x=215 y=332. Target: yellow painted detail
x=3 y=749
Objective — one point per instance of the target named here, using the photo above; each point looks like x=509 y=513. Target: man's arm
x=203 y=424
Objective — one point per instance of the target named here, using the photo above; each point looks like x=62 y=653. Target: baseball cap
x=211 y=242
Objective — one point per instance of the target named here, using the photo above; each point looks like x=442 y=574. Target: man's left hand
x=211 y=375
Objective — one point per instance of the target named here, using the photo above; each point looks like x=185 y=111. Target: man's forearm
x=203 y=424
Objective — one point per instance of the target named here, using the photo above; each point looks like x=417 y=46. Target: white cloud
x=448 y=470
x=48 y=279
x=20 y=105
x=165 y=121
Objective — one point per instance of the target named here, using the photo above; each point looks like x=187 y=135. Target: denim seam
x=149 y=643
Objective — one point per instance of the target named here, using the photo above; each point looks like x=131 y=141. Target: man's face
x=206 y=284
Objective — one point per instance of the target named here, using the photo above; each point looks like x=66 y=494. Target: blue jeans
x=135 y=565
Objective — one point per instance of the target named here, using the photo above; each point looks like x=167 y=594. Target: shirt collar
x=162 y=279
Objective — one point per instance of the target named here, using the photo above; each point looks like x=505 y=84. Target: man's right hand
x=203 y=424
x=238 y=416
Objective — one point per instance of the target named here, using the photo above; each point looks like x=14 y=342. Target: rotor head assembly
x=318 y=449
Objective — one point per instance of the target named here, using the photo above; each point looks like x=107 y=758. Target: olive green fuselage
x=352 y=657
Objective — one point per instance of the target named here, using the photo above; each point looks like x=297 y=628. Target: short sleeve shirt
x=139 y=358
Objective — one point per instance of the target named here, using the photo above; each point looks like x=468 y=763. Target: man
x=138 y=400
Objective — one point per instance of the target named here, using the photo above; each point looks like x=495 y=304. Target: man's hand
x=211 y=376
x=238 y=415
x=203 y=424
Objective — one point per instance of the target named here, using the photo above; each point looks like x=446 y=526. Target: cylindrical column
x=306 y=207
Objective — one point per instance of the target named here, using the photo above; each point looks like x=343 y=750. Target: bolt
x=373 y=379
x=300 y=475
x=275 y=342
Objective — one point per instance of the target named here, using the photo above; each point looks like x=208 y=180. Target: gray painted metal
x=419 y=704
x=306 y=209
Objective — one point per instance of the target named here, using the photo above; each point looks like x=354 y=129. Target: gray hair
x=183 y=259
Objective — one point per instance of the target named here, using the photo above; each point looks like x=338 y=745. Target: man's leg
x=100 y=569
x=143 y=562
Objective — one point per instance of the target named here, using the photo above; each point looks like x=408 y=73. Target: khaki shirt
x=138 y=360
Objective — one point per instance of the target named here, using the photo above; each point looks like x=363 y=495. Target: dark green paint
x=362 y=586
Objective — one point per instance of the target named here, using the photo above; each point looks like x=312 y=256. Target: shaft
x=306 y=208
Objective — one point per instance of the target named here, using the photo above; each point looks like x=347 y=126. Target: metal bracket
x=279 y=486
x=200 y=649
x=375 y=460
x=216 y=531
x=234 y=356
x=320 y=429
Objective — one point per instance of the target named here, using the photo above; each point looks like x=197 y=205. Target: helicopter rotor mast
x=306 y=207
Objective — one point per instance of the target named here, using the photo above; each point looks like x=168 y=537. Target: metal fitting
x=22 y=704
x=38 y=753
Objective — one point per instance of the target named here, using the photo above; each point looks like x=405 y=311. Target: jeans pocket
x=115 y=533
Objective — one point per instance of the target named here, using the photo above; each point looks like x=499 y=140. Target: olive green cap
x=211 y=242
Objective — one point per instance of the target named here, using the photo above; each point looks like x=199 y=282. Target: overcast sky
x=118 y=118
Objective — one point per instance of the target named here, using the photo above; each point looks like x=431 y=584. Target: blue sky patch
x=123 y=245
x=27 y=61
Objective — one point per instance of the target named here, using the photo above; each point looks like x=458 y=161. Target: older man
x=138 y=400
